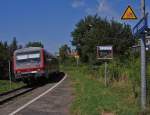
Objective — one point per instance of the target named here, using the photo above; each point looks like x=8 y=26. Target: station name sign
x=104 y=52
x=105 y=47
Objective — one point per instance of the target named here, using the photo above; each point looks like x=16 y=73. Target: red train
x=34 y=63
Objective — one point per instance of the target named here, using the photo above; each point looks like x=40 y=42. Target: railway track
x=7 y=96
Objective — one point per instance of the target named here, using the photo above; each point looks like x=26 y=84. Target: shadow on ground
x=53 y=78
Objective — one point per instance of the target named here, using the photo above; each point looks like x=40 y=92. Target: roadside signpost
x=105 y=53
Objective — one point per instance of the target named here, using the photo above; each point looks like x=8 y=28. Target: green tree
x=6 y=54
x=64 y=52
x=93 y=30
x=4 y=57
x=13 y=46
x=34 y=44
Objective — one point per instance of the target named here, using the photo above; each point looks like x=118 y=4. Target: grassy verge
x=93 y=98
x=5 y=86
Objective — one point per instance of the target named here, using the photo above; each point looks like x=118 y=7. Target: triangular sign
x=129 y=14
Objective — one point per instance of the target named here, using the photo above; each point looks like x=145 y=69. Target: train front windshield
x=28 y=60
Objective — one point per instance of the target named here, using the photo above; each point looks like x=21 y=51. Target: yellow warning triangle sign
x=129 y=14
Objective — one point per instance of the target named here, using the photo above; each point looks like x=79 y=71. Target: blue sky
x=51 y=21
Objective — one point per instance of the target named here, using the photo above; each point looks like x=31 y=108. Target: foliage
x=93 y=30
x=64 y=52
x=5 y=56
x=13 y=46
x=34 y=44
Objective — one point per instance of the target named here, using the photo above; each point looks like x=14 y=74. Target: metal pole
x=143 y=63
x=77 y=59
x=9 y=75
x=105 y=73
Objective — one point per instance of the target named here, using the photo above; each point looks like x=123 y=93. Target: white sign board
x=104 y=52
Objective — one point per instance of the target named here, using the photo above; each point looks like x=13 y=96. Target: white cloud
x=104 y=9
x=90 y=11
x=102 y=6
x=77 y=3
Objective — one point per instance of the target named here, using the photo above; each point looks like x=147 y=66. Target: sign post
x=77 y=59
x=143 y=62
x=9 y=74
x=76 y=56
x=139 y=30
x=105 y=53
x=105 y=73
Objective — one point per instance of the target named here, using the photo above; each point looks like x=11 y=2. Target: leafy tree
x=13 y=46
x=93 y=30
x=4 y=57
x=64 y=52
x=34 y=44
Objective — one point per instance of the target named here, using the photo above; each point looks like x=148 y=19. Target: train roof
x=32 y=49
x=28 y=49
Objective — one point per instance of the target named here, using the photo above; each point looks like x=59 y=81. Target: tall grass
x=148 y=84
x=93 y=98
x=118 y=72
x=127 y=71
